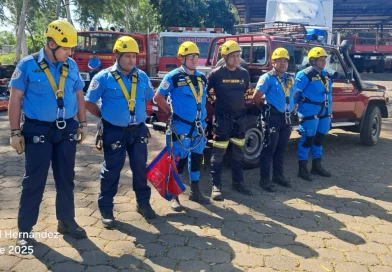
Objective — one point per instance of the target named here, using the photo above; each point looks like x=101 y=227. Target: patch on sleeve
x=165 y=85
x=16 y=73
x=260 y=82
x=94 y=84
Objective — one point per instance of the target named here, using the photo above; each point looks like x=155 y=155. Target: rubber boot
x=216 y=193
x=240 y=187
x=303 y=171
x=317 y=169
x=196 y=195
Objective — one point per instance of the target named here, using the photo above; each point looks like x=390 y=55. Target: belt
x=308 y=101
x=43 y=123
x=129 y=127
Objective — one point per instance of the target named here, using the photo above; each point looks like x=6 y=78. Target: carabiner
x=60 y=120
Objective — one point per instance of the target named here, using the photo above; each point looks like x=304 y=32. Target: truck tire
x=371 y=126
x=253 y=143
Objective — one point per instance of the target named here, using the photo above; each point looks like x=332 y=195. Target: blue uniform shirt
x=313 y=89
x=114 y=108
x=183 y=101
x=39 y=100
x=274 y=93
x=94 y=62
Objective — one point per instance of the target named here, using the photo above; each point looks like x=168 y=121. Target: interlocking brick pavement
x=340 y=224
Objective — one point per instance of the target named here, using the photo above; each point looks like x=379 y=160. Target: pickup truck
x=358 y=106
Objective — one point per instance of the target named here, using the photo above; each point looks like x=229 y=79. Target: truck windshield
x=99 y=42
x=169 y=45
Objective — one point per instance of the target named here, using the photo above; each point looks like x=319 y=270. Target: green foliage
x=7 y=58
x=7 y=38
x=196 y=13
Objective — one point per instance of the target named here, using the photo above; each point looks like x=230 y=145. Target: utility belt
x=195 y=124
x=323 y=105
x=130 y=128
x=49 y=136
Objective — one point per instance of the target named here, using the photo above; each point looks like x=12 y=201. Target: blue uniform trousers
x=312 y=132
x=56 y=146
x=273 y=151
x=118 y=141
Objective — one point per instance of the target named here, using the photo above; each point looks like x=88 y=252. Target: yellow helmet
x=62 y=32
x=126 y=44
x=187 y=48
x=317 y=52
x=280 y=53
x=230 y=47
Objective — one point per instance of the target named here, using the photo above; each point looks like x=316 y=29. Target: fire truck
x=101 y=42
x=170 y=40
x=371 y=51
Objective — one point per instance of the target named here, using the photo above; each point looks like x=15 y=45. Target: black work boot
x=266 y=184
x=71 y=228
x=216 y=193
x=25 y=239
x=282 y=181
x=303 y=171
x=196 y=195
x=317 y=169
x=146 y=211
x=107 y=219
x=240 y=187
x=176 y=205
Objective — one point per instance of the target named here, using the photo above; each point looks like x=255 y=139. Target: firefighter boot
x=240 y=187
x=176 y=205
x=266 y=184
x=317 y=169
x=303 y=171
x=282 y=181
x=216 y=193
x=146 y=211
x=196 y=195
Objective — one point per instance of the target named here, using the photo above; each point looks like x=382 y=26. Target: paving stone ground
x=340 y=224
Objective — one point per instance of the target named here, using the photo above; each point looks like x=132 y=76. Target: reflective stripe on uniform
x=220 y=144
x=236 y=141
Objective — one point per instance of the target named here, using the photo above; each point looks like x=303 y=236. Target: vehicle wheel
x=371 y=126
x=253 y=143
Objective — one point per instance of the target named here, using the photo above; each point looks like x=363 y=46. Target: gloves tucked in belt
x=82 y=132
x=17 y=140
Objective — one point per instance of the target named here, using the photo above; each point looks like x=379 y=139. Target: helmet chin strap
x=184 y=64
x=54 y=51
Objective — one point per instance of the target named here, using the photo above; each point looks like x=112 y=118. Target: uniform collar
x=115 y=68
x=182 y=69
x=273 y=73
x=42 y=55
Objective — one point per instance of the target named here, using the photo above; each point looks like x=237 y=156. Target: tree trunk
x=127 y=19
x=25 y=50
x=58 y=9
x=21 y=29
x=68 y=12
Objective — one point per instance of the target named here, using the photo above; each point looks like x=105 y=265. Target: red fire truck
x=371 y=50
x=170 y=40
x=102 y=43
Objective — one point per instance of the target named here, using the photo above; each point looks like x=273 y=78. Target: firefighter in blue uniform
x=124 y=90
x=314 y=98
x=48 y=83
x=229 y=82
x=186 y=88
x=278 y=88
x=94 y=65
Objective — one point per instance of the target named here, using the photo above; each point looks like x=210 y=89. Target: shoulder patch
x=16 y=74
x=165 y=85
x=261 y=80
x=94 y=84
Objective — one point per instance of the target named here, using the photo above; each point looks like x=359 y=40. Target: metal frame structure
x=347 y=14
